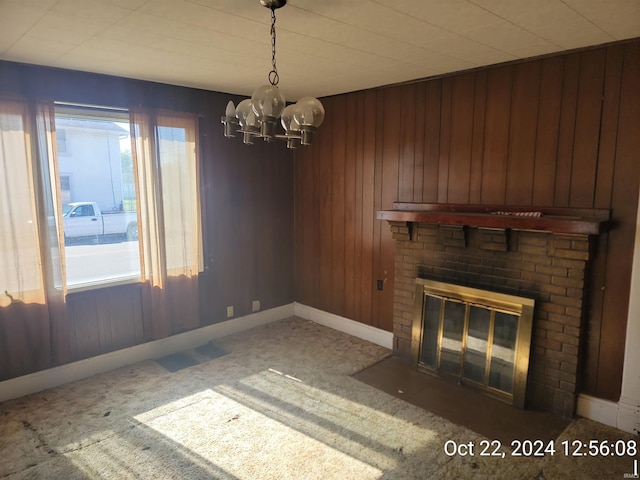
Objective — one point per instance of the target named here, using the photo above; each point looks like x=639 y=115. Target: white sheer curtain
x=21 y=272
x=32 y=313
x=166 y=159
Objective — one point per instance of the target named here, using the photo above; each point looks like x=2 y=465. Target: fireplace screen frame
x=510 y=305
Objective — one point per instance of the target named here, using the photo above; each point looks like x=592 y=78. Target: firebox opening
x=478 y=337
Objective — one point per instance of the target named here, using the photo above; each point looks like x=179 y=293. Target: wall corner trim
x=70 y=372
x=345 y=325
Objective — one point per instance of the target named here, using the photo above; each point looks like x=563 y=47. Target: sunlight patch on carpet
x=247 y=442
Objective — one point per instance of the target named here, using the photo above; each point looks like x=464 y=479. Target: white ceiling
x=324 y=47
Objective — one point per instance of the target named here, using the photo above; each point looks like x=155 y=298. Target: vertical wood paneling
x=603 y=193
x=120 y=313
x=350 y=207
x=477 y=142
x=24 y=339
x=624 y=205
x=392 y=136
x=85 y=326
x=324 y=218
x=608 y=126
x=407 y=145
x=302 y=239
x=369 y=222
x=461 y=130
x=522 y=133
x=496 y=136
x=432 y=141
x=378 y=228
x=419 y=142
x=246 y=264
x=125 y=317
x=531 y=133
x=104 y=322
x=445 y=140
x=273 y=232
x=568 y=105
x=546 y=148
x=359 y=200
x=338 y=204
x=306 y=161
x=587 y=130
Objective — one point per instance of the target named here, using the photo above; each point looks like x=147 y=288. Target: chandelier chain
x=274 y=78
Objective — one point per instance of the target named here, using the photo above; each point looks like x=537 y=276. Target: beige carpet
x=279 y=404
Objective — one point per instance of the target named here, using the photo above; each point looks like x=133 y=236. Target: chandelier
x=257 y=117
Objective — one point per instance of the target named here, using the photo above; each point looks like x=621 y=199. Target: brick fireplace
x=544 y=261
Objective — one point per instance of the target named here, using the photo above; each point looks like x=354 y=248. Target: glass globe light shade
x=291 y=127
x=242 y=111
x=288 y=121
x=252 y=120
x=251 y=127
x=309 y=112
x=267 y=101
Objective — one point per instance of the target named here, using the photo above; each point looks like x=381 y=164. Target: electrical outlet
x=230 y=311
x=255 y=306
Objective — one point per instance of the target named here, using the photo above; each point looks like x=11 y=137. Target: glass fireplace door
x=479 y=341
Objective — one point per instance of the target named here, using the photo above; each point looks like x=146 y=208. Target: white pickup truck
x=85 y=219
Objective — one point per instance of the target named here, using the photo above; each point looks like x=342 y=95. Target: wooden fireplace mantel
x=576 y=221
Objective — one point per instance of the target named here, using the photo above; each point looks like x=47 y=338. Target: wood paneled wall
x=247 y=203
x=562 y=131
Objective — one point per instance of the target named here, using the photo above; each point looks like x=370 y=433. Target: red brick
x=563 y=357
x=563 y=338
x=538 y=259
x=574 y=312
x=568 y=386
x=553 y=271
x=574 y=254
x=565 y=319
x=548 y=344
x=575 y=293
x=531 y=238
x=567 y=301
x=566 y=281
x=539 y=278
x=570 y=330
x=580 y=245
x=571 y=349
x=554 y=289
x=560 y=375
x=532 y=249
x=550 y=326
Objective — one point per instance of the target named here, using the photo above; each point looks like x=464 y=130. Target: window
x=65 y=189
x=131 y=213
x=61 y=141
x=99 y=212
